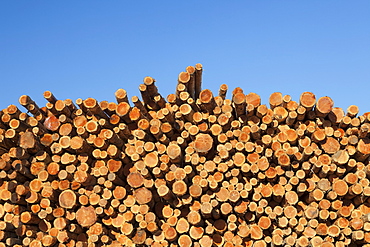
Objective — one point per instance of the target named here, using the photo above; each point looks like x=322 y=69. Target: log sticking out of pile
x=194 y=169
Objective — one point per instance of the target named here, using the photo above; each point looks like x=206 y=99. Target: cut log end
x=184 y=77
x=135 y=179
x=67 y=199
x=206 y=96
x=179 y=188
x=86 y=216
x=203 y=143
x=324 y=105
x=307 y=100
x=143 y=195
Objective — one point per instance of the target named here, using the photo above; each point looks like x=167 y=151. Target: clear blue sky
x=81 y=49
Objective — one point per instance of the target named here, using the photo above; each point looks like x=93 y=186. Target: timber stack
x=189 y=169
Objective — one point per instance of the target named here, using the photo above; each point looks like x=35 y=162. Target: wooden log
x=352 y=111
x=121 y=95
x=239 y=104
x=86 y=216
x=92 y=105
x=222 y=91
x=30 y=105
x=324 y=105
x=203 y=143
x=52 y=123
x=276 y=99
x=207 y=102
x=198 y=79
x=62 y=108
x=252 y=99
x=331 y=145
x=50 y=97
x=255 y=232
x=307 y=100
x=143 y=195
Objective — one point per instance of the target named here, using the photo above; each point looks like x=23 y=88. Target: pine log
x=193 y=169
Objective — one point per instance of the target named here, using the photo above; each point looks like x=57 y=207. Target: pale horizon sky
x=81 y=49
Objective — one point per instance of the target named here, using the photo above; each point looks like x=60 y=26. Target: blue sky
x=81 y=49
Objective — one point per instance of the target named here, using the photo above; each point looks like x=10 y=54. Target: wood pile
x=191 y=169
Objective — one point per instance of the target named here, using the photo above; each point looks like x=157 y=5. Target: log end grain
x=67 y=199
x=253 y=99
x=340 y=187
x=135 y=179
x=363 y=146
x=86 y=216
x=52 y=123
x=206 y=96
x=179 y=188
x=174 y=151
x=276 y=99
x=307 y=100
x=184 y=77
x=324 y=105
x=203 y=143
x=143 y=195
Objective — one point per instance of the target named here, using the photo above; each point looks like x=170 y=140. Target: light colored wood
x=192 y=170
x=92 y=105
x=222 y=91
x=340 y=187
x=179 y=188
x=307 y=100
x=255 y=232
x=239 y=103
x=143 y=195
x=207 y=102
x=203 y=143
x=135 y=179
x=67 y=199
x=324 y=105
x=276 y=99
x=86 y=216
x=253 y=99
x=121 y=95
x=50 y=97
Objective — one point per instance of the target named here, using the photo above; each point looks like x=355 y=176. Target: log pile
x=191 y=169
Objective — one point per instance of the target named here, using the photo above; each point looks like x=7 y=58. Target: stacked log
x=191 y=169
